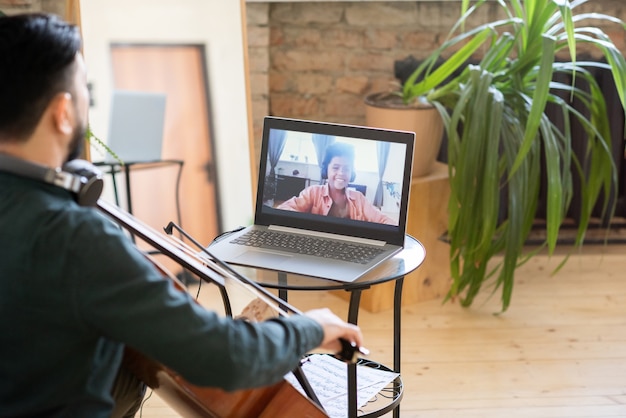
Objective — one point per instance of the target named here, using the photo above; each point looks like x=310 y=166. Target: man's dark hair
x=36 y=56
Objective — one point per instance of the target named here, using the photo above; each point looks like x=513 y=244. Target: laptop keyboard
x=301 y=244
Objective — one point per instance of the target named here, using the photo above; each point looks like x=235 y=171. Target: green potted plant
x=409 y=107
x=494 y=114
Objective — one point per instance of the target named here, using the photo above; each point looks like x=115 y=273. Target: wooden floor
x=559 y=351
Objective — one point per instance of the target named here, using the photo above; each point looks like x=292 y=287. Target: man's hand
x=334 y=329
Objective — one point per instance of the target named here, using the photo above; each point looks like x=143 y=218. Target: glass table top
x=402 y=263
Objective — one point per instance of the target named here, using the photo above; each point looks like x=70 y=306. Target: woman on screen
x=334 y=198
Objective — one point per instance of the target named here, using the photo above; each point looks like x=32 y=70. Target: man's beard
x=78 y=142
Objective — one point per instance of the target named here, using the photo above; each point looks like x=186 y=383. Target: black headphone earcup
x=91 y=181
x=89 y=194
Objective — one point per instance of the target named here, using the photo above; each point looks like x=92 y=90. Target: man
x=74 y=290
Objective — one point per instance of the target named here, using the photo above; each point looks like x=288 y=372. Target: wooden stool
x=427 y=222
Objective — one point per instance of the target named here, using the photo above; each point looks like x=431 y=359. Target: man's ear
x=63 y=113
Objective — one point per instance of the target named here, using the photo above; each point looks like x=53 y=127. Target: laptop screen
x=335 y=178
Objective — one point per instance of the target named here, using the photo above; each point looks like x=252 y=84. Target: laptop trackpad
x=263 y=258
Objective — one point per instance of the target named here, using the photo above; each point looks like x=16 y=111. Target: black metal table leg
x=129 y=205
x=282 y=293
x=353 y=316
x=114 y=182
x=397 y=317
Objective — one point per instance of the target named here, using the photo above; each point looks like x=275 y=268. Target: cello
x=277 y=400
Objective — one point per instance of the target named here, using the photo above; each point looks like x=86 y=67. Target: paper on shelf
x=329 y=379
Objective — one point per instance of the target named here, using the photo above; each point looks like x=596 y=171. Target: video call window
x=299 y=163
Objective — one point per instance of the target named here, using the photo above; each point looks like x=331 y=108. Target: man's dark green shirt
x=74 y=290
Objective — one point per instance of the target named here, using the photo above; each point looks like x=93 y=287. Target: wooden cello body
x=278 y=400
x=274 y=401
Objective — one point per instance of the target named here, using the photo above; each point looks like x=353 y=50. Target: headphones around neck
x=77 y=176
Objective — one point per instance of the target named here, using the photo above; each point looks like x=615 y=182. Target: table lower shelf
x=323 y=374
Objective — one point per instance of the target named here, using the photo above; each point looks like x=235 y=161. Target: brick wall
x=318 y=60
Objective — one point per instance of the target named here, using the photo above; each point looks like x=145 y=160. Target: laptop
x=301 y=163
x=136 y=126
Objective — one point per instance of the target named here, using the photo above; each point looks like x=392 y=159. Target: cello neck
x=211 y=270
x=159 y=242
